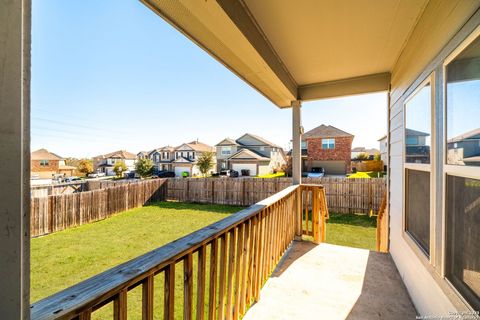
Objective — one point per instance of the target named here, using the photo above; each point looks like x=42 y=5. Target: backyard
x=64 y=258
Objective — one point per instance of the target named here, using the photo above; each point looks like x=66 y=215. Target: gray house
x=250 y=153
x=464 y=149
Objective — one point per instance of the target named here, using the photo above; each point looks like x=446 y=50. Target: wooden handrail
x=251 y=243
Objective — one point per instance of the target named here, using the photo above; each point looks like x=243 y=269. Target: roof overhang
x=300 y=50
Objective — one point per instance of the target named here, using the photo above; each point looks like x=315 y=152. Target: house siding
x=422 y=55
x=342 y=151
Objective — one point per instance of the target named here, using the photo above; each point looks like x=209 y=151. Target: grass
x=64 y=258
x=272 y=175
x=352 y=230
x=366 y=175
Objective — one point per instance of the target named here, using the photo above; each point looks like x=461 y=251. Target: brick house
x=46 y=164
x=327 y=147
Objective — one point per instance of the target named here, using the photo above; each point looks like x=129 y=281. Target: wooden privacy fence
x=224 y=266
x=343 y=195
x=58 y=212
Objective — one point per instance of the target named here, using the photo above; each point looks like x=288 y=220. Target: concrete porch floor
x=333 y=282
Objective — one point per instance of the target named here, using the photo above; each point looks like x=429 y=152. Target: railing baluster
x=213 y=280
x=169 y=297
x=147 y=298
x=120 y=305
x=238 y=270
x=251 y=261
x=201 y=282
x=223 y=272
x=231 y=270
x=245 y=267
x=188 y=287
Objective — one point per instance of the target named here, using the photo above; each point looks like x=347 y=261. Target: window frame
x=465 y=171
x=329 y=143
x=429 y=257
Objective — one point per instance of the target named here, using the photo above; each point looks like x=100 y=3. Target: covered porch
x=333 y=282
x=291 y=53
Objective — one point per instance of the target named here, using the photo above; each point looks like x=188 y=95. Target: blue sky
x=110 y=74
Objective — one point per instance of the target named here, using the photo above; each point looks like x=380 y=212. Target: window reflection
x=463 y=107
x=418 y=127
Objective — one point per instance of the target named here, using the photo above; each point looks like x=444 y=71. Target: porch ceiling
x=300 y=50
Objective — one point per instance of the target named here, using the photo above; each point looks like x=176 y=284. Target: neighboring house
x=417 y=146
x=359 y=150
x=383 y=148
x=162 y=158
x=250 y=153
x=464 y=149
x=327 y=147
x=143 y=154
x=105 y=163
x=186 y=156
x=45 y=165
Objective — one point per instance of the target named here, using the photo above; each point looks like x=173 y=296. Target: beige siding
x=440 y=22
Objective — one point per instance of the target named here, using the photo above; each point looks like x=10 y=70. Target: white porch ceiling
x=300 y=49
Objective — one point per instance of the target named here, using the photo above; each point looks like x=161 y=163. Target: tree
x=119 y=168
x=205 y=162
x=377 y=157
x=362 y=156
x=85 y=166
x=144 y=167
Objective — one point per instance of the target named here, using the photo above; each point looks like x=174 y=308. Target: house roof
x=227 y=142
x=262 y=140
x=358 y=149
x=411 y=132
x=250 y=154
x=44 y=154
x=143 y=152
x=120 y=154
x=382 y=138
x=468 y=135
x=197 y=146
x=324 y=131
x=162 y=149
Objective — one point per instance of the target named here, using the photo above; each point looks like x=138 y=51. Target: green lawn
x=272 y=175
x=352 y=230
x=367 y=175
x=64 y=258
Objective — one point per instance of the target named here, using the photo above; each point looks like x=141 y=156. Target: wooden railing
x=314 y=211
x=382 y=226
x=236 y=255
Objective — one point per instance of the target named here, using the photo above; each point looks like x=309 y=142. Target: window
x=463 y=108
x=328 y=143
x=418 y=178
x=304 y=145
x=462 y=170
x=226 y=150
x=262 y=148
x=157 y=158
x=411 y=140
x=417 y=211
x=44 y=163
x=418 y=126
x=463 y=237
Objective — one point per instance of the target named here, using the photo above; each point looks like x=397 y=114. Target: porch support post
x=296 y=142
x=15 y=164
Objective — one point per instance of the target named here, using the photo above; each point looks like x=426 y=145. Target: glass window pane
x=418 y=207
x=463 y=107
x=463 y=237
x=418 y=126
